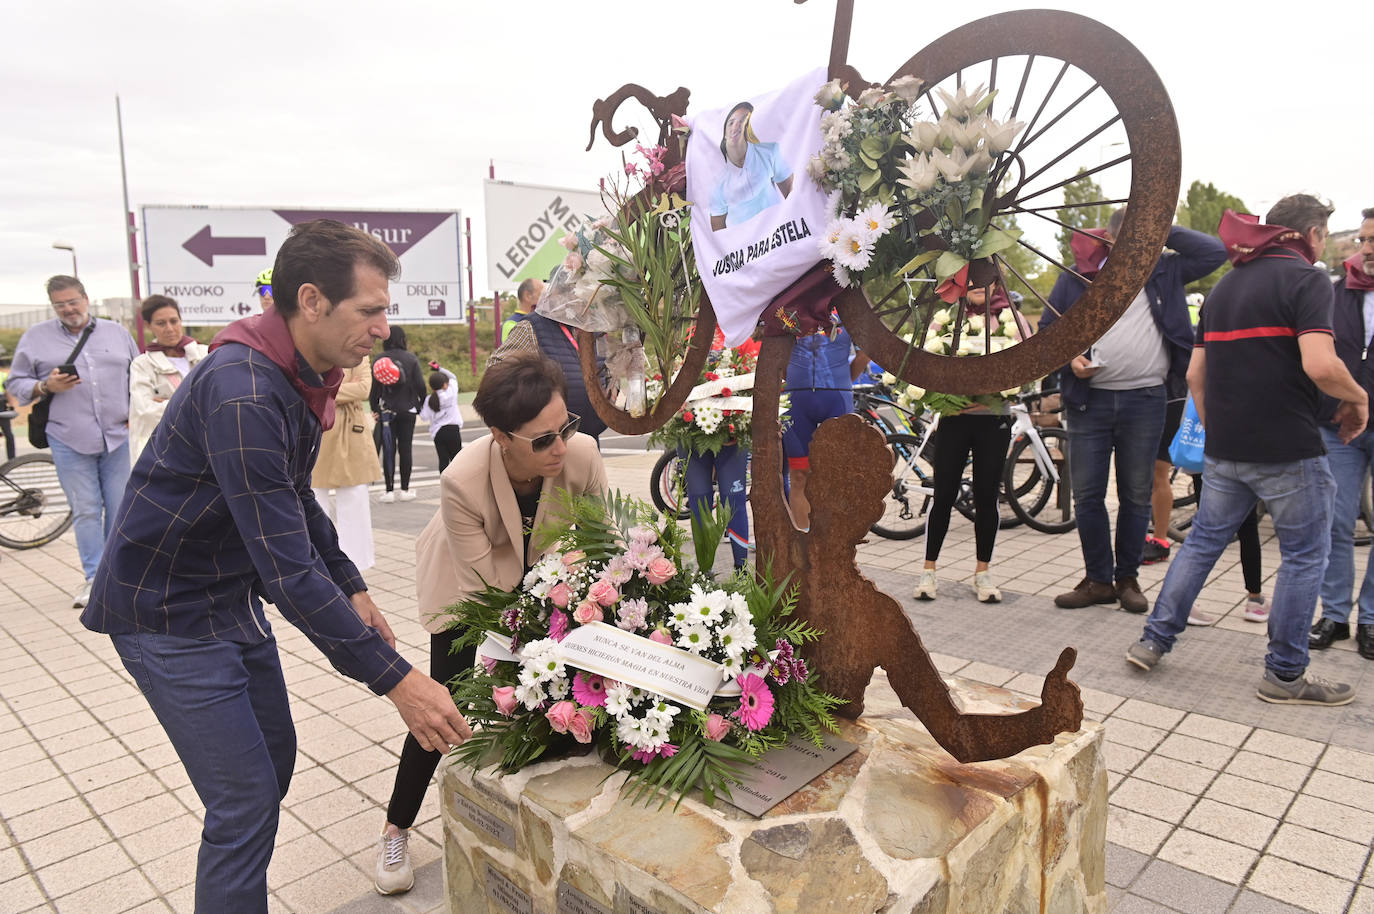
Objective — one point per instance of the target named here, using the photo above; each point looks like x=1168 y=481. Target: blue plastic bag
x=1185 y=451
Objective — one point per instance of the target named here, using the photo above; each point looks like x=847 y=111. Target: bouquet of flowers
x=983 y=335
x=718 y=411
x=631 y=274
x=606 y=624
x=908 y=194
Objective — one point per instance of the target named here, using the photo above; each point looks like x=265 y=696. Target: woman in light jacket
x=156 y=374
x=348 y=464
x=493 y=496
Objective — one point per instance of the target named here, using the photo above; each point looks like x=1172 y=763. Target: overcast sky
x=402 y=104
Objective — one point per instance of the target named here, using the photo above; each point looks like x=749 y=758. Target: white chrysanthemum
x=828 y=242
x=708 y=607
x=737 y=637
x=661 y=714
x=633 y=732
x=855 y=247
x=679 y=615
x=707 y=418
x=875 y=219
x=833 y=201
x=694 y=638
x=842 y=278
x=531 y=696
x=731 y=666
x=620 y=698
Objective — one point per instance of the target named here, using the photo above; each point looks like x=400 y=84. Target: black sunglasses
x=545 y=441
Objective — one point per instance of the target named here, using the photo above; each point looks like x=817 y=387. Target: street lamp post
x=64 y=246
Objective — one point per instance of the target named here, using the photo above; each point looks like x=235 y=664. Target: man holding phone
x=1114 y=404
x=88 y=419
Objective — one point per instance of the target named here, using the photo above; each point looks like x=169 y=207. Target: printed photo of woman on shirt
x=756 y=176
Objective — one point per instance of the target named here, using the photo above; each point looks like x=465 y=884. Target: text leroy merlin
x=557 y=214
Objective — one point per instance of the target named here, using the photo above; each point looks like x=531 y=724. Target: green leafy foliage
x=1080 y=210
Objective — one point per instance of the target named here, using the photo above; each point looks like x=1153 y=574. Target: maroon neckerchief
x=1356 y=278
x=1246 y=239
x=1090 y=249
x=803 y=307
x=267 y=333
x=176 y=352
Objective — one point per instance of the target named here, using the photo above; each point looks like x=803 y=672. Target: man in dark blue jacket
x=1353 y=319
x=1114 y=404
x=217 y=516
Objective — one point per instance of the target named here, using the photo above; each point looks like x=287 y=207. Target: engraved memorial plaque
x=630 y=903
x=572 y=901
x=783 y=771
x=483 y=821
x=507 y=895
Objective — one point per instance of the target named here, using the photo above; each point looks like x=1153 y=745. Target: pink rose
x=716 y=727
x=572 y=558
x=660 y=636
x=604 y=592
x=573 y=262
x=660 y=571
x=560 y=595
x=504 y=696
x=561 y=715
x=580 y=725
x=587 y=611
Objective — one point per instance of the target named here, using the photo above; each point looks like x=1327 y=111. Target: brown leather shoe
x=1132 y=600
x=1087 y=593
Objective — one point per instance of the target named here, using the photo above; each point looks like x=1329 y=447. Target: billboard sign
x=207 y=258
x=523 y=225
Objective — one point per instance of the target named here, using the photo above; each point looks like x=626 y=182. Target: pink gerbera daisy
x=558 y=625
x=755 y=702
x=645 y=756
x=590 y=690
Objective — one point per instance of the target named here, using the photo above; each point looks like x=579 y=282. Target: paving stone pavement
x=1219 y=802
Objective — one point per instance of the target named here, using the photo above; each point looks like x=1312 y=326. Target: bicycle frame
x=1022 y=425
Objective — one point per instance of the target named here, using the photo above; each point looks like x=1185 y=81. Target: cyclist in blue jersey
x=820 y=378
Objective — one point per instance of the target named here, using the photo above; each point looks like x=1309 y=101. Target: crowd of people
x=215 y=447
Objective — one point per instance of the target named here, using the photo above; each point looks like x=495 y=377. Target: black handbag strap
x=85 y=335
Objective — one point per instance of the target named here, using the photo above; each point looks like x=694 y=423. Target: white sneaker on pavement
x=83 y=596
x=926 y=586
x=1256 y=609
x=1201 y=618
x=407 y=495
x=987 y=591
x=394 y=872
x=387 y=498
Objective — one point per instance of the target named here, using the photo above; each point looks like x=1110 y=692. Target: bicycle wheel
x=33 y=508
x=1041 y=503
x=664 y=481
x=913 y=479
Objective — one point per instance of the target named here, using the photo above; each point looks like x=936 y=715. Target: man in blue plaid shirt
x=219 y=515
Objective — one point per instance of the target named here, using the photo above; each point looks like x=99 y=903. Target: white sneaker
x=387 y=498
x=926 y=587
x=987 y=591
x=83 y=596
x=407 y=495
x=1201 y=618
x=394 y=872
x=1256 y=609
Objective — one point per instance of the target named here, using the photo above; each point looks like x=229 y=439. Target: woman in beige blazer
x=493 y=495
x=347 y=465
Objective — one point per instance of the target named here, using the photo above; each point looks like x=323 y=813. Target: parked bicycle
x=33 y=508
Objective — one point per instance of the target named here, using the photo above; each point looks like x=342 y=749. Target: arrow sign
x=205 y=246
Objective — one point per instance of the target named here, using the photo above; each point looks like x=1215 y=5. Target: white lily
x=941 y=318
x=919 y=174
x=978 y=163
x=924 y=136
x=889 y=379
x=975 y=323
x=952 y=165
x=935 y=345
x=966 y=136
x=907 y=88
x=963 y=102
x=1000 y=136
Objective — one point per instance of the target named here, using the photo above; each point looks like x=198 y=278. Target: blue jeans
x=724 y=470
x=1349 y=463
x=94 y=485
x=224 y=707
x=1299 y=497
x=1127 y=423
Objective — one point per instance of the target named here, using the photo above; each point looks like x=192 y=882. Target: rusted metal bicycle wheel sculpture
x=1045 y=52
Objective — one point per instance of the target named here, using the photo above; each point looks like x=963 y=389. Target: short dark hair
x=324 y=252
x=516 y=389
x=1300 y=212
x=396 y=339
x=1367 y=213
x=155 y=303
x=1115 y=221
x=63 y=281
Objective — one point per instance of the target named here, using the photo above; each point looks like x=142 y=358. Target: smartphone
x=1095 y=360
x=69 y=368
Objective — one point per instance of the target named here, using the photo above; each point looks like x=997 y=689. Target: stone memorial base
x=898 y=826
